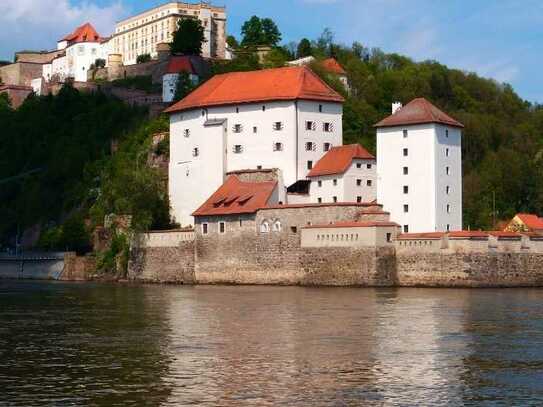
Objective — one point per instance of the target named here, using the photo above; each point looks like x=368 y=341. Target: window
x=277 y=226
x=186 y=132
x=195 y=152
x=447 y=133
x=320 y=108
x=278 y=126
x=327 y=127
x=319 y=183
x=405 y=134
x=309 y=146
x=334 y=182
x=448 y=228
x=405 y=152
x=264 y=227
x=405 y=189
x=310 y=125
x=369 y=183
x=293 y=229
x=358 y=182
x=406 y=208
x=309 y=165
x=368 y=166
x=240 y=222
x=446 y=152
x=358 y=165
x=237 y=109
x=405 y=170
x=326 y=146
x=237 y=149
x=389 y=237
x=334 y=198
x=204 y=228
x=222 y=227
x=405 y=228
x=447 y=170
x=319 y=200
x=448 y=208
x=255 y=129
x=447 y=190
x=277 y=146
x=263 y=108
x=358 y=199
x=238 y=128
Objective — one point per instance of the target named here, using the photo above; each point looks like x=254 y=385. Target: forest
x=59 y=172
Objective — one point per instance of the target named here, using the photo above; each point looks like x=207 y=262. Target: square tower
x=419 y=168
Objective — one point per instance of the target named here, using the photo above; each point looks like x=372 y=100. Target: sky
x=499 y=39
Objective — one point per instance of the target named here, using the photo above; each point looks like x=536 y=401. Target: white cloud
x=38 y=24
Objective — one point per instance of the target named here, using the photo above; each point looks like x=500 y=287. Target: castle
x=287 y=120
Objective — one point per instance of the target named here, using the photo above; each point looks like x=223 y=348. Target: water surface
x=111 y=345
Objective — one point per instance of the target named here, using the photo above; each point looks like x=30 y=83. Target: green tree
x=232 y=42
x=143 y=58
x=183 y=86
x=189 y=37
x=304 y=49
x=258 y=32
x=5 y=103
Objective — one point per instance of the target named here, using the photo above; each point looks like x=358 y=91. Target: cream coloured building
x=140 y=34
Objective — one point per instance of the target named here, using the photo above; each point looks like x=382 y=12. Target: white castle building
x=289 y=119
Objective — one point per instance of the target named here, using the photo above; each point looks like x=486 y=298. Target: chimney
x=396 y=106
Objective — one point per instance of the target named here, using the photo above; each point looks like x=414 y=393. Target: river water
x=113 y=345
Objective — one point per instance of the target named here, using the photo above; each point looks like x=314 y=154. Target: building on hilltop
x=176 y=65
x=249 y=120
x=140 y=34
x=329 y=65
x=525 y=222
x=419 y=167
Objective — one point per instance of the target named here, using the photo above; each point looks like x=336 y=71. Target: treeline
x=58 y=171
x=503 y=138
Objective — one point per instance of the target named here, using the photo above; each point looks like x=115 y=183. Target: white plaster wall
x=327 y=190
x=452 y=142
x=169 y=83
x=348 y=236
x=309 y=111
x=421 y=179
x=351 y=190
x=192 y=180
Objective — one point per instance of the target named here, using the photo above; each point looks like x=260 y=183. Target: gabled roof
x=180 y=63
x=333 y=66
x=84 y=33
x=338 y=159
x=237 y=197
x=288 y=83
x=531 y=221
x=418 y=111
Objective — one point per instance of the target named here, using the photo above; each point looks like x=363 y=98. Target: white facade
x=76 y=62
x=419 y=176
x=169 y=83
x=205 y=144
x=357 y=184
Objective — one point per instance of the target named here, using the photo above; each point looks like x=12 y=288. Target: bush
x=141 y=59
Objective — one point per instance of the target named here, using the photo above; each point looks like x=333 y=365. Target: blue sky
x=500 y=39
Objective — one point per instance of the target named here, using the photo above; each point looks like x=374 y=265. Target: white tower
x=419 y=168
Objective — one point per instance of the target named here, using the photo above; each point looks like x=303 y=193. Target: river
x=114 y=345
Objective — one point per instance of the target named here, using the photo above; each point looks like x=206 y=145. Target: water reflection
x=232 y=346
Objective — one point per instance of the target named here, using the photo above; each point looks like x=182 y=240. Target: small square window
x=405 y=134
x=326 y=146
x=405 y=189
x=448 y=208
x=447 y=190
x=406 y=208
x=448 y=228
x=263 y=108
x=319 y=183
x=309 y=146
x=222 y=227
x=358 y=165
x=309 y=125
x=293 y=229
x=237 y=128
x=334 y=182
x=405 y=170
x=309 y=165
x=327 y=127
x=448 y=170
x=369 y=183
x=405 y=228
x=359 y=199
x=255 y=129
x=278 y=147
x=405 y=152
x=319 y=200
x=204 y=228
x=320 y=108
x=238 y=149
x=358 y=182
x=334 y=198
x=368 y=166
x=446 y=132
x=389 y=237
x=195 y=152
x=446 y=152
x=278 y=126
x=186 y=132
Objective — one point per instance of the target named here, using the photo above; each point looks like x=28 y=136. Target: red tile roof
x=469 y=234
x=418 y=111
x=421 y=236
x=236 y=197
x=84 y=33
x=371 y=224
x=333 y=66
x=338 y=159
x=531 y=221
x=289 y=83
x=319 y=205
x=180 y=64
x=502 y=234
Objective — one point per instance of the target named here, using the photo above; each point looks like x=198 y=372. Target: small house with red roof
x=176 y=65
x=525 y=222
x=330 y=65
x=284 y=118
x=344 y=174
x=419 y=167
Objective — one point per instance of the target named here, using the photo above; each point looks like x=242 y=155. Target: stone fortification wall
x=20 y=73
x=484 y=262
x=163 y=257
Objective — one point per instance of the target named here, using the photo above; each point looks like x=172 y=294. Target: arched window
x=264 y=227
x=277 y=226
